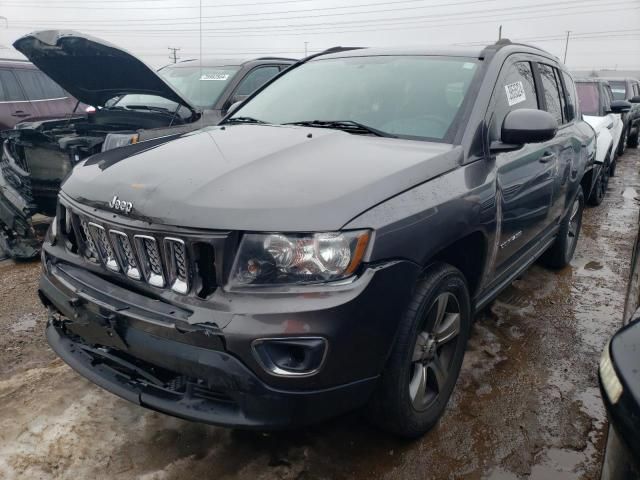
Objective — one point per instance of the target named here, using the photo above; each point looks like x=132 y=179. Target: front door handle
x=547 y=157
x=20 y=114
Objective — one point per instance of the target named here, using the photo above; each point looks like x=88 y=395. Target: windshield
x=413 y=96
x=201 y=88
x=619 y=90
x=589 y=98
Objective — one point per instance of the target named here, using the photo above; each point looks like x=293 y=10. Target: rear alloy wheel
x=622 y=145
x=427 y=355
x=600 y=188
x=561 y=251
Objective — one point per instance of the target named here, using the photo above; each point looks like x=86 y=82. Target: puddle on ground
x=24 y=323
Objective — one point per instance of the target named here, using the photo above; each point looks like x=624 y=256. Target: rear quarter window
x=9 y=88
x=38 y=86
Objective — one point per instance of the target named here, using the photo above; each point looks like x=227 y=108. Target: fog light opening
x=290 y=356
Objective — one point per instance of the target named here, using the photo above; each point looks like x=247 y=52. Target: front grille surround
x=185 y=263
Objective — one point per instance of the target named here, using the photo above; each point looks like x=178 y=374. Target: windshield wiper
x=350 y=126
x=244 y=120
x=147 y=107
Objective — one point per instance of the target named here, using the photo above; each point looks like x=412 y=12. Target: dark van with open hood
x=327 y=245
x=131 y=103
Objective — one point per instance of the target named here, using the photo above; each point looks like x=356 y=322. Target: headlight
x=279 y=258
x=115 y=140
x=610 y=381
x=52 y=231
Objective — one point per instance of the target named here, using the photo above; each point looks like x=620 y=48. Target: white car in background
x=604 y=114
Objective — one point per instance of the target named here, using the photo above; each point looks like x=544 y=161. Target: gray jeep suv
x=327 y=245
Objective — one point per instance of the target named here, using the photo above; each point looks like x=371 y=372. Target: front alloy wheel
x=434 y=351
x=427 y=354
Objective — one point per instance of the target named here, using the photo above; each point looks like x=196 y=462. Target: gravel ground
x=527 y=404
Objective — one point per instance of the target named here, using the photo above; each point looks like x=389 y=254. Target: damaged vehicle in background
x=132 y=103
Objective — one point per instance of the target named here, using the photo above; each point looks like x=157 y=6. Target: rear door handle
x=547 y=157
x=20 y=113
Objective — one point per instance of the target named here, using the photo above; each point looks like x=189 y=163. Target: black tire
x=632 y=140
x=622 y=144
x=410 y=396
x=600 y=188
x=561 y=251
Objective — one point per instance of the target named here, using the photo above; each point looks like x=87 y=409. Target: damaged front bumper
x=151 y=352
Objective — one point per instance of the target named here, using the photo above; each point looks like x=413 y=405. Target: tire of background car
x=613 y=163
x=425 y=361
x=561 y=251
x=602 y=183
x=632 y=140
x=622 y=144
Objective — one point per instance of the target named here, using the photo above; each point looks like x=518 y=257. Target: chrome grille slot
x=149 y=254
x=90 y=250
x=177 y=264
x=185 y=262
x=127 y=256
x=102 y=245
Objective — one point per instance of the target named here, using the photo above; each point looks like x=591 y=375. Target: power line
x=174 y=54
x=334 y=28
x=502 y=10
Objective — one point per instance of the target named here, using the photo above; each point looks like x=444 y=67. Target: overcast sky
x=604 y=34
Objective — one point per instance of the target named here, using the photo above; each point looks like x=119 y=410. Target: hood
x=257 y=177
x=92 y=70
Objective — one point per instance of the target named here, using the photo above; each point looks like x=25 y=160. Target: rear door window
x=571 y=110
x=552 y=91
x=516 y=89
x=10 y=90
x=256 y=78
x=38 y=86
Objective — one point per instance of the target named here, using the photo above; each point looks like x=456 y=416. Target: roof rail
x=505 y=42
x=274 y=58
x=24 y=60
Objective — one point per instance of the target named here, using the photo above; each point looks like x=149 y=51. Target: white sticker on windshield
x=215 y=76
x=515 y=93
x=468 y=65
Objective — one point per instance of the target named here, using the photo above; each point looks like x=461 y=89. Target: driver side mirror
x=619 y=106
x=635 y=99
x=527 y=125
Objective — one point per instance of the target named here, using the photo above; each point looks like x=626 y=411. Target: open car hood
x=92 y=70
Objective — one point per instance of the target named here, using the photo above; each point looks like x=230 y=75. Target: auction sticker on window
x=215 y=76
x=515 y=93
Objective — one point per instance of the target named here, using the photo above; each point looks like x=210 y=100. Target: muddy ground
x=527 y=404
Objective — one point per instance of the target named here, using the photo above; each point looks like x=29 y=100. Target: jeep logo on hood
x=121 y=205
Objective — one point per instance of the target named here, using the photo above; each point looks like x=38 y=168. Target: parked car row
x=365 y=200
x=131 y=103
x=608 y=118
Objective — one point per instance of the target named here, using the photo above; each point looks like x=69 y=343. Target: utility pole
x=174 y=54
x=500 y=33
x=305 y=48
x=566 y=47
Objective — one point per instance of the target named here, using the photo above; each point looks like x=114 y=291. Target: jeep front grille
x=183 y=264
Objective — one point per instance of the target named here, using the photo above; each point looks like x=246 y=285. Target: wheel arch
x=468 y=254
